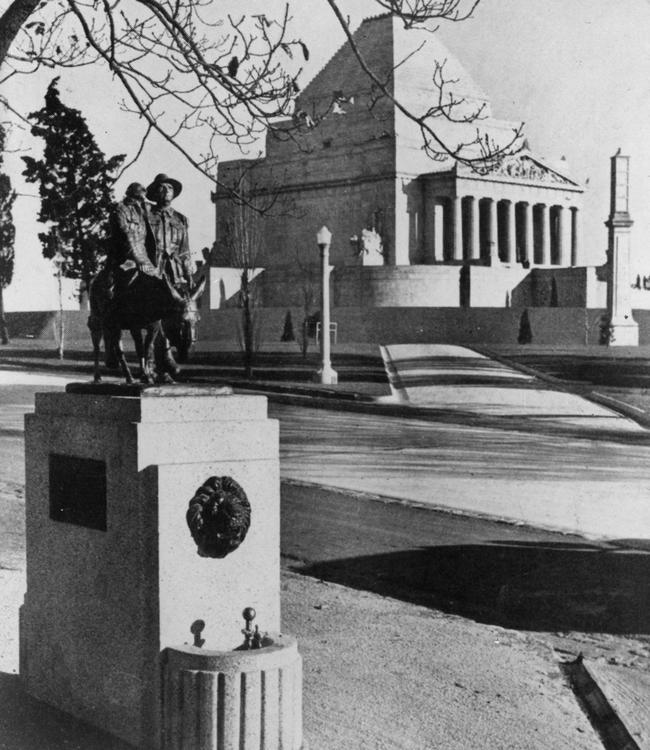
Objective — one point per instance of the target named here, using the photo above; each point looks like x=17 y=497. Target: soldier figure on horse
x=147 y=278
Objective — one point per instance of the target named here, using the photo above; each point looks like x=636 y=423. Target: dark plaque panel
x=78 y=491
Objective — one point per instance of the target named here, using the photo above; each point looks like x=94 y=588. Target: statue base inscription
x=113 y=573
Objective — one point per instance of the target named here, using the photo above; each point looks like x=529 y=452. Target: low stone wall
x=561 y=287
x=412 y=325
x=474 y=286
x=383 y=325
x=396 y=286
x=44 y=325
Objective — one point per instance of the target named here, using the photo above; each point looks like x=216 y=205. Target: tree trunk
x=248 y=340
x=304 y=341
x=4 y=333
x=11 y=21
x=248 y=325
x=61 y=335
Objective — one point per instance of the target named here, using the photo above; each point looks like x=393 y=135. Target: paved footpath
x=379 y=673
x=457 y=378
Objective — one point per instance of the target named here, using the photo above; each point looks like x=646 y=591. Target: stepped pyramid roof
x=412 y=63
x=403 y=58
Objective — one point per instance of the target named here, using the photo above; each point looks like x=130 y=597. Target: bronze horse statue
x=147 y=307
x=180 y=330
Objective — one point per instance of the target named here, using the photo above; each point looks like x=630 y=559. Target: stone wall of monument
x=396 y=286
x=384 y=325
x=494 y=286
x=561 y=287
x=345 y=206
x=340 y=174
x=417 y=286
x=390 y=325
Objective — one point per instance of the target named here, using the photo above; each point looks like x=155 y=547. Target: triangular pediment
x=526 y=168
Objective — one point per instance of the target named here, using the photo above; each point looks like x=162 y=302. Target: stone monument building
x=363 y=167
x=424 y=247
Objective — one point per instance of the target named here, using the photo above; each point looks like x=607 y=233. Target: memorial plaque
x=78 y=491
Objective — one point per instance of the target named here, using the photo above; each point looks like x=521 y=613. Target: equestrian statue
x=146 y=286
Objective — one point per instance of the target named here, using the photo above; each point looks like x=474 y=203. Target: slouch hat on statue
x=160 y=178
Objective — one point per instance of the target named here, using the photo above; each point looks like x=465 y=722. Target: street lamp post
x=59 y=263
x=326 y=374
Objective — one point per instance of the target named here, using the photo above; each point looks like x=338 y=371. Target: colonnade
x=467 y=228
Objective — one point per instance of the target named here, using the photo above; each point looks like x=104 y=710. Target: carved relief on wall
x=523 y=168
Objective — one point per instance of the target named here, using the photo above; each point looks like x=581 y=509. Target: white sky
x=577 y=73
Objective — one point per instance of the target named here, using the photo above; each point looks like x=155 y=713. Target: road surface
x=497 y=573
x=548 y=480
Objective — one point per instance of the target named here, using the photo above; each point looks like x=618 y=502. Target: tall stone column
x=475 y=239
x=561 y=237
x=429 y=240
x=439 y=232
x=457 y=233
x=511 y=245
x=576 y=259
x=624 y=330
x=494 y=234
x=545 y=228
x=529 y=249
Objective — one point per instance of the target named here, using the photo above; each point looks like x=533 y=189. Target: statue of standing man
x=169 y=230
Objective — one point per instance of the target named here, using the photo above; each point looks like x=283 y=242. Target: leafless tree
x=186 y=67
x=309 y=289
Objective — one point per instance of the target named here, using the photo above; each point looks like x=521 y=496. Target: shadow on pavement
x=543 y=586
x=28 y=724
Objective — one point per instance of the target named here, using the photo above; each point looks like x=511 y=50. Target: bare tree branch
x=130 y=163
x=198 y=78
x=482 y=153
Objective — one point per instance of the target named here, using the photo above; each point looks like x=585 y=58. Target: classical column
x=563 y=254
x=529 y=245
x=429 y=243
x=576 y=260
x=545 y=229
x=475 y=239
x=512 y=233
x=494 y=234
x=439 y=233
x=457 y=233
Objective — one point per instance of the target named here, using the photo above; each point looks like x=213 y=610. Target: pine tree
x=287 y=332
x=7 y=238
x=76 y=188
x=525 y=330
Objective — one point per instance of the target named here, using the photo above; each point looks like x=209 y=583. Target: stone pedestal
x=113 y=573
x=624 y=332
